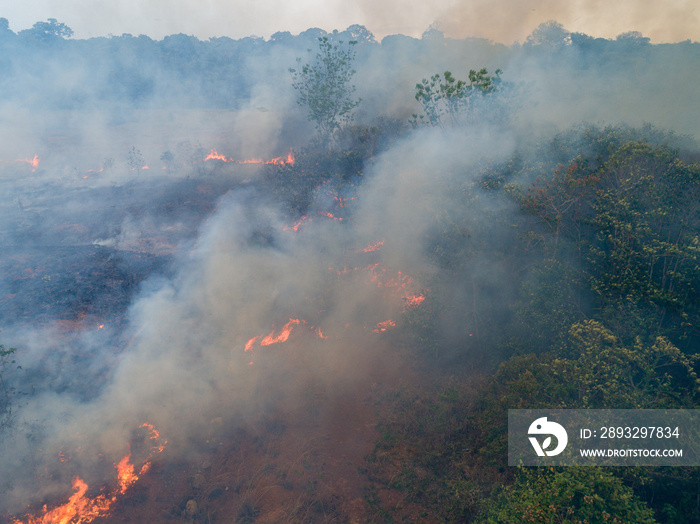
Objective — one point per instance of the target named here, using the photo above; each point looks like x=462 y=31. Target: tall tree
x=324 y=86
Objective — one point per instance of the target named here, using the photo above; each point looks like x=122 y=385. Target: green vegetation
x=446 y=100
x=568 y=496
x=605 y=239
x=602 y=227
x=323 y=86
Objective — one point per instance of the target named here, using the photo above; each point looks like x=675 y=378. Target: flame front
x=282 y=336
x=34 y=162
x=284 y=333
x=126 y=475
x=78 y=509
x=214 y=155
x=81 y=508
x=280 y=160
x=295 y=227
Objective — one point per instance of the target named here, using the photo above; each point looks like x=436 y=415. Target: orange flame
x=341 y=201
x=383 y=326
x=214 y=155
x=373 y=247
x=280 y=160
x=330 y=215
x=297 y=224
x=34 y=162
x=284 y=333
x=125 y=473
x=62 y=456
x=78 y=509
x=249 y=344
x=83 y=509
x=414 y=300
x=155 y=436
x=378 y=275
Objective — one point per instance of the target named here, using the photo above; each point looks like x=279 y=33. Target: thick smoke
x=216 y=260
x=187 y=366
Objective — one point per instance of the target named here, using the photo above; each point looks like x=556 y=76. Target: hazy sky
x=500 y=20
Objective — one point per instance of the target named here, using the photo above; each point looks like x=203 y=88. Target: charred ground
x=438 y=276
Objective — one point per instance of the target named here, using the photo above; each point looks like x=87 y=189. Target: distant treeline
x=45 y=67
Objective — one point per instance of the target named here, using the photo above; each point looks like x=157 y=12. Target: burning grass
x=83 y=507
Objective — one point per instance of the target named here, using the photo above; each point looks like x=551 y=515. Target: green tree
x=445 y=99
x=569 y=496
x=48 y=31
x=324 y=86
x=645 y=255
x=550 y=34
x=630 y=219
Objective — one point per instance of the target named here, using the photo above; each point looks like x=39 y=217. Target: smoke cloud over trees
x=303 y=278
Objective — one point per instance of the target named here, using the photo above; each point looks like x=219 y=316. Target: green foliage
x=551 y=299
x=446 y=99
x=568 y=496
x=647 y=247
x=597 y=372
x=550 y=34
x=324 y=88
x=645 y=376
x=604 y=317
x=49 y=31
x=631 y=220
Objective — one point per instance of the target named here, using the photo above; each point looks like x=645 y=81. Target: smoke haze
x=184 y=261
x=503 y=21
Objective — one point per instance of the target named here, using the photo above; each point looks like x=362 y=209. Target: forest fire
x=282 y=336
x=280 y=160
x=295 y=227
x=82 y=508
x=330 y=215
x=373 y=247
x=384 y=326
x=413 y=300
x=312 y=330
x=34 y=161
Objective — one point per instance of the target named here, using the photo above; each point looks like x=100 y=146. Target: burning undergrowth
x=210 y=333
x=249 y=311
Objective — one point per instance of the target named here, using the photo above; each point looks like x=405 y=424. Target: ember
x=373 y=247
x=383 y=326
x=295 y=227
